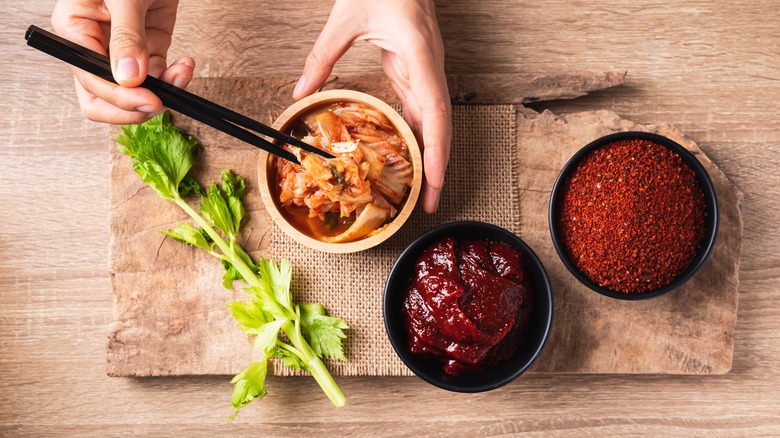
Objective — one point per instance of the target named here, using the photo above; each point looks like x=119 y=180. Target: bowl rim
x=705 y=183
x=293 y=112
x=410 y=254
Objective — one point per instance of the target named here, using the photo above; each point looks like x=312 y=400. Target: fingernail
x=126 y=69
x=179 y=81
x=147 y=108
x=300 y=86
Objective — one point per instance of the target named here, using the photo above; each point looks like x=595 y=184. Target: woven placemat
x=480 y=185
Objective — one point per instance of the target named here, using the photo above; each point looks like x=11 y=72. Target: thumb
x=334 y=40
x=127 y=48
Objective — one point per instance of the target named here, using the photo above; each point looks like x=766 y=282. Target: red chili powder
x=632 y=216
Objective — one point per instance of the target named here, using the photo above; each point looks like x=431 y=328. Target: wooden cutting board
x=170 y=316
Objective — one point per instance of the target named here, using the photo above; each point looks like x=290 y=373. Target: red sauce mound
x=468 y=305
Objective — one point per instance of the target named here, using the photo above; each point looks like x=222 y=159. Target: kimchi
x=355 y=194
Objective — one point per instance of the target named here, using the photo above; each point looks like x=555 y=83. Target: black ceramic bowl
x=710 y=224
x=429 y=369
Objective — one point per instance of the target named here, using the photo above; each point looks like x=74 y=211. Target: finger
x=160 y=20
x=127 y=99
x=437 y=136
x=133 y=104
x=85 y=23
x=180 y=72
x=411 y=114
x=394 y=68
x=127 y=48
x=157 y=65
x=98 y=110
x=334 y=40
x=429 y=86
x=80 y=22
x=427 y=110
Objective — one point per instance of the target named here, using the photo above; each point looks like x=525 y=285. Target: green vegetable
x=338 y=179
x=331 y=219
x=162 y=156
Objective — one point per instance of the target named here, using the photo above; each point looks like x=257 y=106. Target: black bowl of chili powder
x=633 y=215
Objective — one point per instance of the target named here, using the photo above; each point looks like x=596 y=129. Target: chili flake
x=632 y=216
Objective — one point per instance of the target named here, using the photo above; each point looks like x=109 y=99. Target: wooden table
x=711 y=68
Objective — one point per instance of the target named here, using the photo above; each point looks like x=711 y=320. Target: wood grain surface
x=708 y=67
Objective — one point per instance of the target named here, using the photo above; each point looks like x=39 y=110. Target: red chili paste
x=632 y=216
x=468 y=305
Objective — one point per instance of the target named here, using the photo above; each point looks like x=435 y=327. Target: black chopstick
x=194 y=106
x=99 y=65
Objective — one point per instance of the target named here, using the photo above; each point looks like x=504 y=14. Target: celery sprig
x=162 y=156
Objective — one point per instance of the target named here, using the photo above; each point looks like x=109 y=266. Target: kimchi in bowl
x=356 y=200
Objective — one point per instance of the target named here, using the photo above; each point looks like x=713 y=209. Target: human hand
x=413 y=60
x=136 y=34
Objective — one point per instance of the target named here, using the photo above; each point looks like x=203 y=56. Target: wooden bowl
x=267 y=170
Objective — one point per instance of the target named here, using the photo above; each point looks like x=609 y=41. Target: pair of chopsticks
x=196 y=107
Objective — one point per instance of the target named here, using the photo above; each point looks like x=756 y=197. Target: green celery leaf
x=263 y=295
x=324 y=333
x=223 y=207
x=248 y=315
x=189 y=185
x=231 y=273
x=289 y=359
x=186 y=233
x=233 y=185
x=162 y=154
x=249 y=385
x=155 y=177
x=279 y=278
x=267 y=335
x=236 y=210
x=215 y=209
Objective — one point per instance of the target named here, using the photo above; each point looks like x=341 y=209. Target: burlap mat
x=480 y=185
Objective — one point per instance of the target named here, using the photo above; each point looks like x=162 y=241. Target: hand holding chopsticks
x=196 y=107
